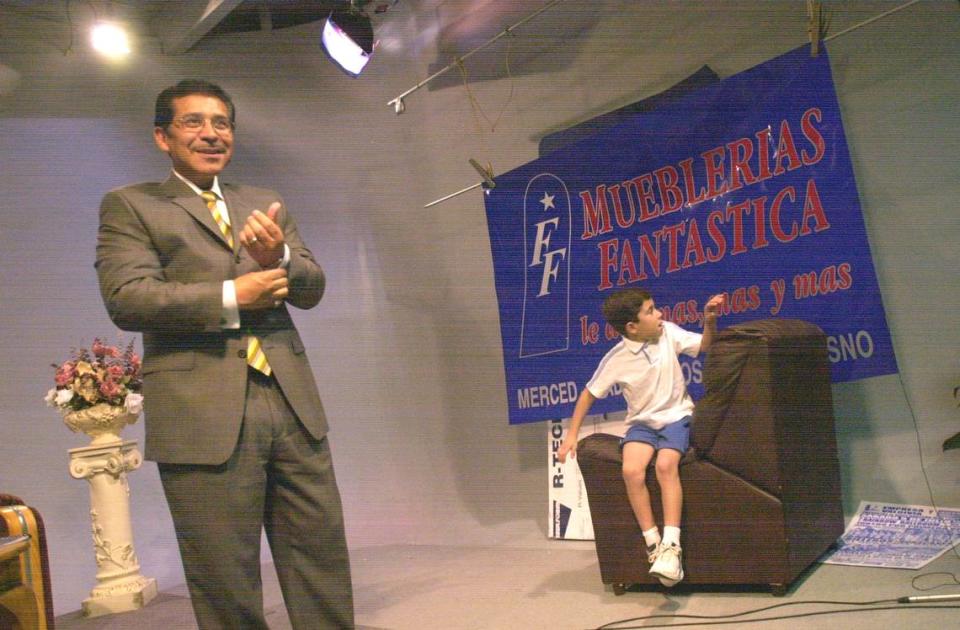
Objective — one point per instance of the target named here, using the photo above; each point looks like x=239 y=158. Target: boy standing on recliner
x=645 y=365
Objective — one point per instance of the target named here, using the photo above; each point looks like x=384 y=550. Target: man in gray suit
x=205 y=270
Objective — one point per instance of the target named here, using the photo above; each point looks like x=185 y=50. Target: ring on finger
x=253 y=239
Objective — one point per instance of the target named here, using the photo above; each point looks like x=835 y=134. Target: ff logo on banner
x=547 y=221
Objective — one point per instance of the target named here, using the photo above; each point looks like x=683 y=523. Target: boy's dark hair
x=621 y=307
x=163 y=113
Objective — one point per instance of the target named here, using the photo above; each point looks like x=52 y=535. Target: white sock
x=651 y=537
x=671 y=535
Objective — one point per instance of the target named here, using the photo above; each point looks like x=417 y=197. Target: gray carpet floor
x=452 y=588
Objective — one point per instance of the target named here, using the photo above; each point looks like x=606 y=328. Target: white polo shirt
x=649 y=376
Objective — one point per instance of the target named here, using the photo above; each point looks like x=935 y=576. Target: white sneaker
x=668 y=567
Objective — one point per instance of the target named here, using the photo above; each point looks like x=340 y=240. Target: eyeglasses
x=195 y=122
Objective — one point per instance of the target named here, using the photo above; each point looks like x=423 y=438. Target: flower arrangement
x=102 y=375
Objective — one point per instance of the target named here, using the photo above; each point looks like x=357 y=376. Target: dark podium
x=761 y=481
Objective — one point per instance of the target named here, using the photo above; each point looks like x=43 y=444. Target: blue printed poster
x=744 y=187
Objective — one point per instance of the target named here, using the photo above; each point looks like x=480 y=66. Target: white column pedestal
x=120 y=586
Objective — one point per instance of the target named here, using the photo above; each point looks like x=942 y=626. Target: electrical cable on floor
x=913 y=582
x=721 y=620
x=751 y=611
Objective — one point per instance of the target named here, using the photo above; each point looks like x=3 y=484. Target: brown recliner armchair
x=761 y=481
x=25 y=598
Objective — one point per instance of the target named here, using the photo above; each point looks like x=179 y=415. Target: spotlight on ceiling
x=347 y=39
x=110 y=40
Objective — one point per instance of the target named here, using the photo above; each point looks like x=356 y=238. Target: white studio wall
x=405 y=344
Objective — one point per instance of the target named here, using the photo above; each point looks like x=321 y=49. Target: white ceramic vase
x=102 y=422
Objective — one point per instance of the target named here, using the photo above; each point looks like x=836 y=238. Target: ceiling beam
x=191 y=20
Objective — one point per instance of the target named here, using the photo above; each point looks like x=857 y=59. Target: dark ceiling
x=254 y=15
x=450 y=28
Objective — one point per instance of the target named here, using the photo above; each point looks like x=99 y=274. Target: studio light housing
x=347 y=39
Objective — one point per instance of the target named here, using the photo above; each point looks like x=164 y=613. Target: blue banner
x=743 y=187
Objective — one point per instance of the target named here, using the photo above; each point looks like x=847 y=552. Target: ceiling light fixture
x=110 y=39
x=347 y=38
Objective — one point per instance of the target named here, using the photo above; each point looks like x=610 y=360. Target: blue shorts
x=675 y=435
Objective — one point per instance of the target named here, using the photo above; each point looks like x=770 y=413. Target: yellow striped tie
x=255 y=356
x=211 y=198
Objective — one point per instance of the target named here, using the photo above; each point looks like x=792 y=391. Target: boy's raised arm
x=710 y=312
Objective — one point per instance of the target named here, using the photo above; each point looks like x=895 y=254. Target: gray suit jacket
x=161 y=262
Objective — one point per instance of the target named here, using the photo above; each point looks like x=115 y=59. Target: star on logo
x=547 y=202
